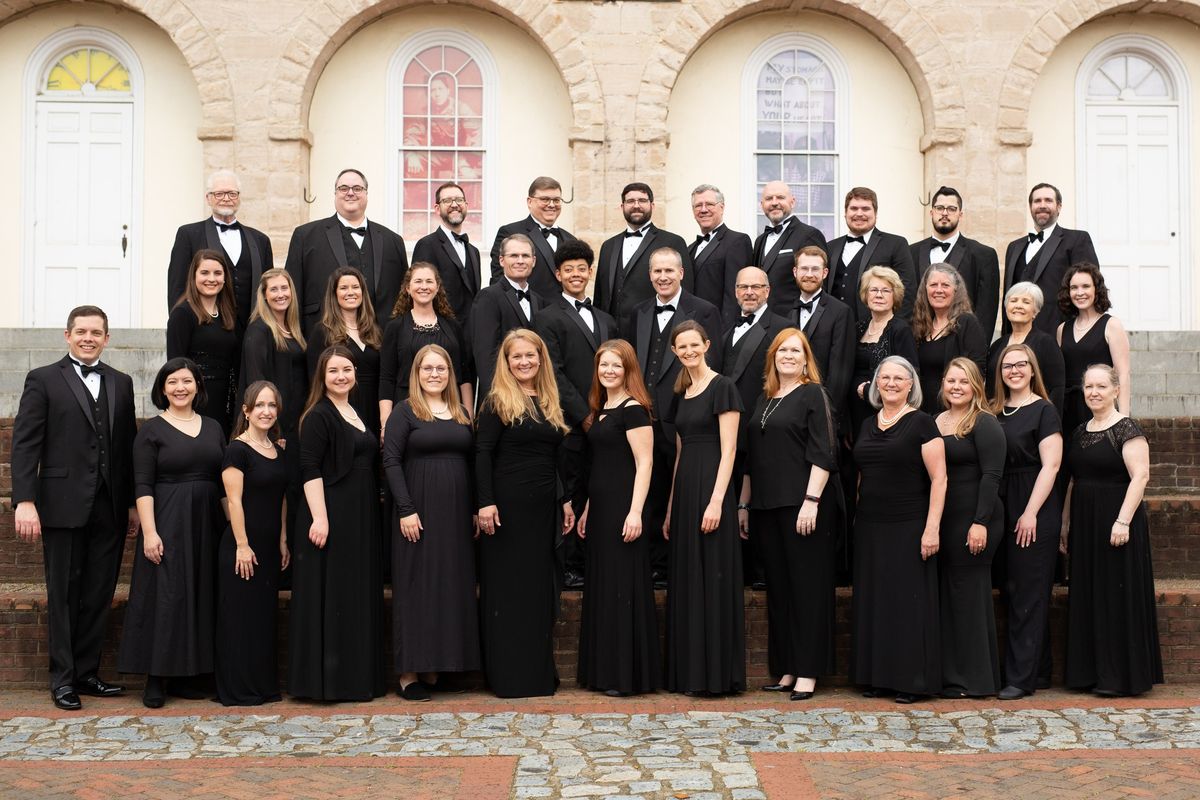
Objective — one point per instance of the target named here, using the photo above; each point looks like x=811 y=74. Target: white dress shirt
x=850 y=250
x=357 y=237
x=458 y=246
x=231 y=240
x=772 y=238
x=805 y=316
x=664 y=317
x=1031 y=249
x=742 y=328
x=526 y=305
x=631 y=243
x=936 y=254
x=584 y=312
x=92 y=381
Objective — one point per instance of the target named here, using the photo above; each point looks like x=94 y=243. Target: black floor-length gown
x=895 y=641
x=169 y=621
x=706 y=640
x=336 y=618
x=365 y=397
x=1078 y=355
x=1112 y=623
x=618 y=640
x=217 y=352
x=435 y=622
x=516 y=470
x=247 y=669
x=970 y=651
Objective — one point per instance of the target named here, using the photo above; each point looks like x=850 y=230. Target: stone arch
x=195 y=43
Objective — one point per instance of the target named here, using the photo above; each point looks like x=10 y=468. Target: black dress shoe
x=572 y=580
x=65 y=698
x=758 y=585
x=778 y=687
x=1109 y=693
x=94 y=687
x=415 y=692
x=660 y=579
x=802 y=695
x=155 y=693
x=1012 y=693
x=908 y=698
x=698 y=693
x=954 y=693
x=615 y=693
x=442 y=686
x=877 y=692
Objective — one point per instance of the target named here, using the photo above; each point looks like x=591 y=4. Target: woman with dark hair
x=348 y=319
x=790 y=504
x=945 y=329
x=336 y=617
x=252 y=553
x=1032 y=517
x=618 y=639
x=706 y=641
x=1089 y=335
x=518 y=448
x=427 y=453
x=421 y=316
x=168 y=632
x=1022 y=303
x=203 y=327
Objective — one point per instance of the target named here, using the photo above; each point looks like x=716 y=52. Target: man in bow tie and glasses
x=717 y=252
x=545 y=203
x=775 y=248
x=865 y=246
x=247 y=250
x=449 y=249
x=507 y=303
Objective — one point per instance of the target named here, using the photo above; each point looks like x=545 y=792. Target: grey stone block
x=1164 y=361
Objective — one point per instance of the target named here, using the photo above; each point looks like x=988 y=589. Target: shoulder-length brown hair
x=262 y=310
x=316 y=391
x=1100 y=297
x=404 y=301
x=506 y=396
x=1036 y=384
x=811 y=373
x=684 y=380
x=979 y=402
x=226 y=306
x=922 y=314
x=635 y=385
x=331 y=313
x=249 y=398
x=416 y=395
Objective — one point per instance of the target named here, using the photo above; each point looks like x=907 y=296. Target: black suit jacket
x=980 y=270
x=779 y=261
x=1064 y=248
x=717 y=266
x=746 y=369
x=881 y=250
x=542 y=278
x=496 y=312
x=461 y=281
x=830 y=333
x=316 y=250
x=202 y=235
x=573 y=349
x=635 y=286
x=55 y=461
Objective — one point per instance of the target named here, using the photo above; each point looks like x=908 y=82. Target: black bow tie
x=774 y=228
x=548 y=232
x=803 y=306
x=664 y=309
x=748 y=319
x=1039 y=236
x=87 y=369
x=229 y=226
x=584 y=303
x=460 y=237
x=703 y=238
x=522 y=294
x=360 y=231
x=943 y=245
x=632 y=233
x=858 y=239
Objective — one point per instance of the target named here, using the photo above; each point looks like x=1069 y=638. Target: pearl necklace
x=173 y=415
x=268 y=447
x=884 y=422
x=1019 y=406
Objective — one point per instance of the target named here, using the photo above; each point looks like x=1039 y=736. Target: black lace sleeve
x=1124 y=430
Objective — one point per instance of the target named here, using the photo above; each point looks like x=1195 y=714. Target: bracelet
x=1122 y=523
x=812 y=498
x=743 y=507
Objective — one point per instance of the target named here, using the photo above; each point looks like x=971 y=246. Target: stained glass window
x=88 y=70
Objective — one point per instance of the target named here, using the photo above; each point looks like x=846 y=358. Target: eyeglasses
x=548 y=201
x=1014 y=366
x=880 y=290
x=430 y=369
x=346 y=191
x=946 y=209
x=758 y=287
x=225 y=195
x=637 y=201
x=810 y=270
x=450 y=202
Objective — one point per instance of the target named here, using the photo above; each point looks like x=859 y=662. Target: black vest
x=361 y=259
x=658 y=351
x=841 y=276
x=103 y=433
x=243 y=277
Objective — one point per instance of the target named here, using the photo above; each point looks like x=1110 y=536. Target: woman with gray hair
x=901 y=460
x=945 y=328
x=1022 y=303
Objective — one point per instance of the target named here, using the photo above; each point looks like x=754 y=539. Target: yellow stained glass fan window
x=88 y=70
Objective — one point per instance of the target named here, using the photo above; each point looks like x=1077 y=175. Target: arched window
x=88 y=71
x=1129 y=76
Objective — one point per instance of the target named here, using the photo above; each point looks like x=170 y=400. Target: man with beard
x=863 y=247
x=827 y=323
x=448 y=249
x=718 y=252
x=623 y=271
x=545 y=203
x=975 y=261
x=775 y=249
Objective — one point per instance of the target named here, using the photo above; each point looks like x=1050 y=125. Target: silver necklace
x=769 y=409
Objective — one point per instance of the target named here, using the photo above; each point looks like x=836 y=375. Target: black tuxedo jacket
x=746 y=369
x=635 y=286
x=203 y=236
x=55 y=460
x=831 y=335
x=980 y=270
x=1064 y=248
x=542 y=278
x=317 y=249
x=717 y=266
x=780 y=260
x=573 y=349
x=496 y=312
x=881 y=250
x=640 y=331
x=461 y=281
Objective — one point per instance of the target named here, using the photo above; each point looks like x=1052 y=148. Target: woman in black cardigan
x=883 y=335
x=1022 y=303
x=944 y=329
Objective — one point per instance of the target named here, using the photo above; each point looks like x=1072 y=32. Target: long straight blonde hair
x=506 y=396
x=262 y=310
x=979 y=401
x=416 y=395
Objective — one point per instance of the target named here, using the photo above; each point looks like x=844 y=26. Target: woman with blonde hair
x=518 y=447
x=273 y=347
x=881 y=335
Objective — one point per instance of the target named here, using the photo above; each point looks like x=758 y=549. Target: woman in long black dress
x=335 y=631
x=203 y=327
x=895 y=646
x=252 y=553
x=519 y=436
x=972 y=529
x=1089 y=335
x=348 y=319
x=944 y=328
x=1112 y=626
x=618 y=639
x=794 y=510
x=706 y=640
x=1022 y=303
x=177 y=456
x=428 y=450
x=1032 y=517
x=422 y=316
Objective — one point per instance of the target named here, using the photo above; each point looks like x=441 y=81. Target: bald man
x=776 y=247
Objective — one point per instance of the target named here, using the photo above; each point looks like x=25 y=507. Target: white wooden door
x=1133 y=211
x=84 y=209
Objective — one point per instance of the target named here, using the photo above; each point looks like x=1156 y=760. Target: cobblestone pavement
x=575 y=747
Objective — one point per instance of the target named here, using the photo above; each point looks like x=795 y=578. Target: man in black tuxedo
x=827 y=323
x=866 y=246
x=718 y=252
x=573 y=328
x=1042 y=257
x=247 y=251
x=623 y=271
x=775 y=248
x=448 y=249
x=505 y=304
x=975 y=261
x=72 y=486
x=649 y=331
x=347 y=239
x=545 y=202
